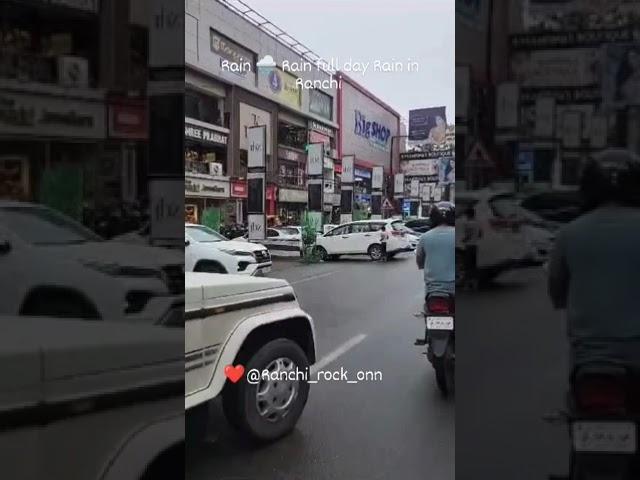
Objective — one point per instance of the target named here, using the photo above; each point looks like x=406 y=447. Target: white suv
x=363 y=238
x=235 y=324
x=50 y=265
x=202 y=253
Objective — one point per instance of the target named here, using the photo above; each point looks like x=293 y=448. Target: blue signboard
x=375 y=132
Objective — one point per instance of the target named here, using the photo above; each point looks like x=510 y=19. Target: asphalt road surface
x=396 y=428
x=511 y=370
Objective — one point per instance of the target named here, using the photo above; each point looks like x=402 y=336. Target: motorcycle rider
x=593 y=270
x=435 y=253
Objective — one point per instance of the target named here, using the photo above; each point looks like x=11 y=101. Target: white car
x=237 y=324
x=90 y=400
x=281 y=241
x=50 y=265
x=204 y=246
x=507 y=242
x=363 y=238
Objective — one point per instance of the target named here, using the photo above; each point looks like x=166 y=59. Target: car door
x=189 y=256
x=361 y=237
x=336 y=240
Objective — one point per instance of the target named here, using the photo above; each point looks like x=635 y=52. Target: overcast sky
x=384 y=30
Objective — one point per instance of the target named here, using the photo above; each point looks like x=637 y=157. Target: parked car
x=208 y=251
x=419 y=225
x=281 y=241
x=557 y=207
x=505 y=244
x=91 y=400
x=238 y=324
x=363 y=238
x=51 y=265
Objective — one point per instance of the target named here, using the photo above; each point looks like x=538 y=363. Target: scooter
x=439 y=338
x=603 y=416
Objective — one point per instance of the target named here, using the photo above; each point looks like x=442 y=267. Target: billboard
x=428 y=124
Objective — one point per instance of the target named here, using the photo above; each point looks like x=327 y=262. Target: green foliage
x=309 y=232
x=212 y=218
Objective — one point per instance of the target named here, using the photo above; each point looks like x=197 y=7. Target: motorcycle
x=439 y=338
x=603 y=415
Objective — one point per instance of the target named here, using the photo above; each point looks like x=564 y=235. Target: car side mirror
x=187 y=243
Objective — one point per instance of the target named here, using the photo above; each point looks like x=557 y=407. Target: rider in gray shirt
x=594 y=270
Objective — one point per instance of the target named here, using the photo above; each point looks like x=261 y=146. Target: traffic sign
x=387 y=205
x=478 y=156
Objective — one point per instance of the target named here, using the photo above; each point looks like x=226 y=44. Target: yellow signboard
x=281 y=85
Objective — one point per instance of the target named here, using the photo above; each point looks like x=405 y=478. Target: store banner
x=574 y=67
x=545 y=117
x=287 y=195
x=239 y=189
x=419 y=167
x=377 y=178
x=428 y=124
x=281 y=85
x=398 y=185
x=253 y=117
x=315 y=159
x=348 y=169
x=233 y=55
x=256 y=217
x=362 y=173
x=166 y=34
x=200 y=186
x=415 y=188
x=447 y=171
x=507 y=105
x=256 y=147
x=321 y=104
x=127 y=121
x=204 y=135
x=565 y=14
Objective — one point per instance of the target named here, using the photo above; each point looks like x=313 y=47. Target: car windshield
x=43 y=226
x=202 y=234
x=289 y=230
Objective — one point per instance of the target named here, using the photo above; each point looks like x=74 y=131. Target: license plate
x=604 y=437
x=440 y=323
x=265 y=269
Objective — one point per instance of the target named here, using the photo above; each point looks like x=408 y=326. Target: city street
x=399 y=427
x=510 y=372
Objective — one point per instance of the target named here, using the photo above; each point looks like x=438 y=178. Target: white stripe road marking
x=315 y=277
x=338 y=352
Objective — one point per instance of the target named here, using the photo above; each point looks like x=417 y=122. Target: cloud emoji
x=266 y=62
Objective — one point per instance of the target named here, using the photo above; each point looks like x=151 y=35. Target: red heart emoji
x=234 y=373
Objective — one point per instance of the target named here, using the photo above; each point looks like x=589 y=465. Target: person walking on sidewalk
x=472 y=233
x=384 y=237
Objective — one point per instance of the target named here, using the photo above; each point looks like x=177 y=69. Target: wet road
x=511 y=370
x=398 y=427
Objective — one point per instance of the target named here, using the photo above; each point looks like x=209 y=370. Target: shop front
x=205 y=148
x=239 y=194
x=53 y=151
x=206 y=199
x=291 y=206
x=362 y=192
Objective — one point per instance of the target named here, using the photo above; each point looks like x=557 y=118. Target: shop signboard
x=376 y=133
x=570 y=67
x=254 y=117
x=196 y=186
x=377 y=178
x=446 y=171
x=428 y=124
x=347 y=169
x=92 y=6
x=398 y=186
x=166 y=34
x=287 y=195
x=48 y=116
x=281 y=85
x=318 y=127
x=362 y=173
x=320 y=104
x=573 y=38
x=415 y=188
x=256 y=141
x=127 y=121
x=204 y=135
x=239 y=189
x=315 y=159
x=425 y=167
x=233 y=57
x=565 y=14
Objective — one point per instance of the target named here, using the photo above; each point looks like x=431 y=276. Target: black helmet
x=611 y=176
x=442 y=213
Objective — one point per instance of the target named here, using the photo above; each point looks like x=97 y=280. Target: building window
x=205 y=108
x=292 y=135
x=291 y=174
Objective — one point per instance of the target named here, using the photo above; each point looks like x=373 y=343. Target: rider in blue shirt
x=435 y=253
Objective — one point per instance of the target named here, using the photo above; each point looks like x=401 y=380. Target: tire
x=375 y=252
x=445 y=373
x=322 y=253
x=240 y=403
x=334 y=258
x=52 y=305
x=209 y=267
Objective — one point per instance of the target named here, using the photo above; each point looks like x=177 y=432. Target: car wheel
x=333 y=258
x=375 y=252
x=270 y=408
x=209 y=267
x=321 y=252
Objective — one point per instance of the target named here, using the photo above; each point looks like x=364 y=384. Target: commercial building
x=229 y=92
x=369 y=130
x=73 y=114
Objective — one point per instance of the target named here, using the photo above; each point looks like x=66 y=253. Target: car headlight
x=236 y=253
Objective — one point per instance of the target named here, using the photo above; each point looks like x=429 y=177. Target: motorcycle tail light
x=606 y=396
x=439 y=305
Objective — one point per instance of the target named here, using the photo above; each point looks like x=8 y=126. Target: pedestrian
x=472 y=233
x=384 y=236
